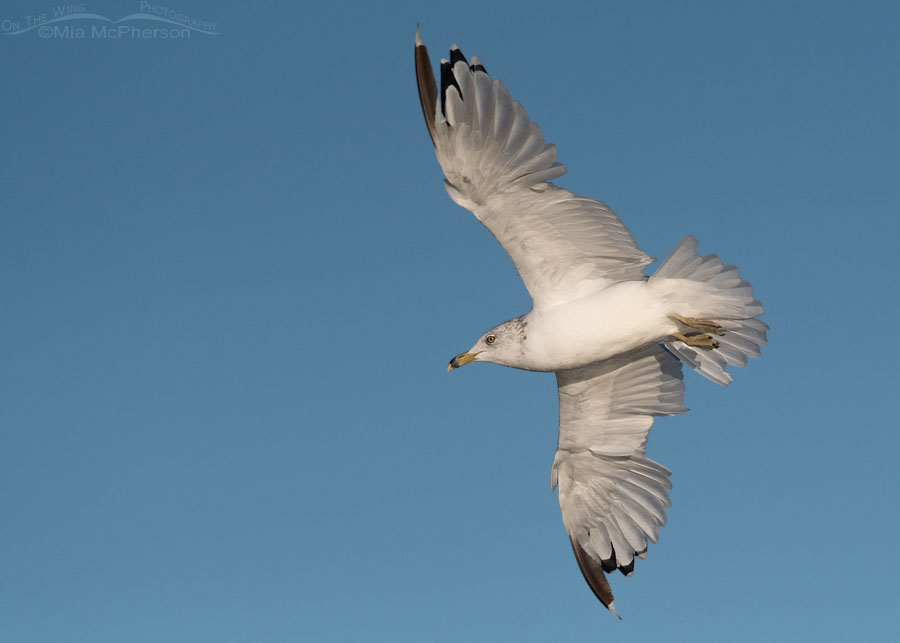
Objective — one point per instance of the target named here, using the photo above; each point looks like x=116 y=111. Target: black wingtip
x=594 y=575
x=456 y=55
x=476 y=65
x=425 y=82
x=428 y=92
x=447 y=80
x=609 y=565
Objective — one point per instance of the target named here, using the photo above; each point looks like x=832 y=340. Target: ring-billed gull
x=613 y=335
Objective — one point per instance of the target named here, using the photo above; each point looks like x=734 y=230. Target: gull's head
x=502 y=344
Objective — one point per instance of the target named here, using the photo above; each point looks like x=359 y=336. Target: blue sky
x=231 y=281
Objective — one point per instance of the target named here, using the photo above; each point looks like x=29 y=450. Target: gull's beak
x=461 y=360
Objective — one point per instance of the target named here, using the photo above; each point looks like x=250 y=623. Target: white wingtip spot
x=444 y=61
x=453 y=47
x=612 y=608
x=418 y=39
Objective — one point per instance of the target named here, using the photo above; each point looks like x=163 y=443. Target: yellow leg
x=699 y=340
x=702 y=325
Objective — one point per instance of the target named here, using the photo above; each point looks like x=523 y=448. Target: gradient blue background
x=230 y=282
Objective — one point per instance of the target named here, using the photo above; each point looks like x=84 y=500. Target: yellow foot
x=699 y=340
x=702 y=325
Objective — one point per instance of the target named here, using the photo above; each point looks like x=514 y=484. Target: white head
x=503 y=344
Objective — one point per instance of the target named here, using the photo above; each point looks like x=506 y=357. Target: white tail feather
x=704 y=288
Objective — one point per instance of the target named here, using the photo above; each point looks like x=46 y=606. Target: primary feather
x=496 y=164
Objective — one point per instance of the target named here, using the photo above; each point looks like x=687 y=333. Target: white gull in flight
x=614 y=336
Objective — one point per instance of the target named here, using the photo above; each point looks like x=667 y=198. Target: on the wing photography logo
x=74 y=22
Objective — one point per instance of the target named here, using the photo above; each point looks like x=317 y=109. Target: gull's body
x=610 y=332
x=594 y=327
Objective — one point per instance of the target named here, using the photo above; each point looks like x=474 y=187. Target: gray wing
x=612 y=498
x=496 y=164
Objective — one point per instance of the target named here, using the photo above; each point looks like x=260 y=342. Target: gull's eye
x=490 y=339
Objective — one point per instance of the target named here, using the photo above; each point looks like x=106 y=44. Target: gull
x=614 y=336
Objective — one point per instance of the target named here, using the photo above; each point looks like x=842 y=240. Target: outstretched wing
x=612 y=498
x=497 y=165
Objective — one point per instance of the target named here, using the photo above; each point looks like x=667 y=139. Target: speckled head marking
x=503 y=344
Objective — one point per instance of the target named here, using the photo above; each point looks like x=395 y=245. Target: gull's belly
x=622 y=317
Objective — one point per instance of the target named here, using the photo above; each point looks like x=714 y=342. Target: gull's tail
x=704 y=288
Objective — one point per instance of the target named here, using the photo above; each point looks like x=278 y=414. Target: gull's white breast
x=622 y=317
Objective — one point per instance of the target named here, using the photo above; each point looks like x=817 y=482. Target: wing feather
x=497 y=164
x=613 y=499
